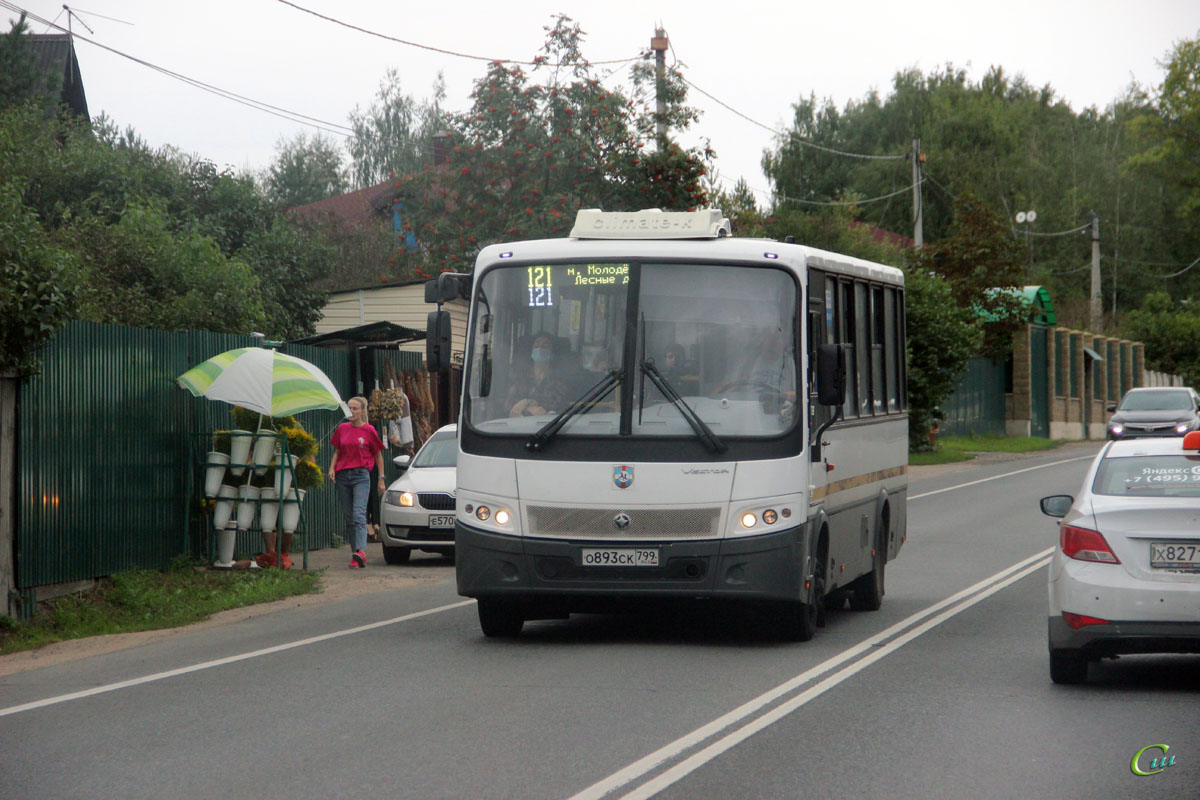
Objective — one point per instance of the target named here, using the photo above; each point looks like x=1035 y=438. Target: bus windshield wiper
x=703 y=432
x=585 y=403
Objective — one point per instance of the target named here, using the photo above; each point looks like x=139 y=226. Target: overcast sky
x=755 y=56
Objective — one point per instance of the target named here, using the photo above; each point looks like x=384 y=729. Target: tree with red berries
x=538 y=145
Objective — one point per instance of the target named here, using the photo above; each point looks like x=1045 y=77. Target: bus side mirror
x=437 y=342
x=831 y=374
x=448 y=286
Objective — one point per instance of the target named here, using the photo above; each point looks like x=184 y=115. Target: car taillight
x=1086 y=545
x=1077 y=621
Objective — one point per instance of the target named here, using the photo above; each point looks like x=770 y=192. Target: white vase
x=264 y=450
x=289 y=517
x=214 y=473
x=283 y=475
x=226 y=538
x=239 y=451
x=268 y=509
x=223 y=509
x=247 y=506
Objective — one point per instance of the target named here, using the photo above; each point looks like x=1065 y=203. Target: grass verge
x=144 y=600
x=963 y=448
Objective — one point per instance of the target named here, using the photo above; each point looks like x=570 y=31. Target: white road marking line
x=279 y=648
x=691 y=764
x=998 y=477
x=659 y=757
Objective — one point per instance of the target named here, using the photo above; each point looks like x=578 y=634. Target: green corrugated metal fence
x=103 y=452
x=977 y=404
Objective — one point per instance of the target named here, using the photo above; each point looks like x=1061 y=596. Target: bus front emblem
x=622 y=521
x=623 y=476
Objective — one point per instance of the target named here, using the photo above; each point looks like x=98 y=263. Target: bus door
x=818 y=333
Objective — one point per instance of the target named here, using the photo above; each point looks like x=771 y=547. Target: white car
x=1125 y=577
x=417 y=512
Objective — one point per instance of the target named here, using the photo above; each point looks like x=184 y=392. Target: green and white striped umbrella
x=263 y=380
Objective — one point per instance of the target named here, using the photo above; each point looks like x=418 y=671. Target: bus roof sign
x=650 y=223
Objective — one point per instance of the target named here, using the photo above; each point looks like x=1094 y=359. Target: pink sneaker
x=358 y=559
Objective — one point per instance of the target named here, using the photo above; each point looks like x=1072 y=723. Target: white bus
x=655 y=409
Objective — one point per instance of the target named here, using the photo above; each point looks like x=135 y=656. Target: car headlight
x=1183 y=427
x=1117 y=429
x=394 y=498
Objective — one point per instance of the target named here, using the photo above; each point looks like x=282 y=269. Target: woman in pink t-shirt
x=356 y=446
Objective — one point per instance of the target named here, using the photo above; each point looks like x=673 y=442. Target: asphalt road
x=944 y=692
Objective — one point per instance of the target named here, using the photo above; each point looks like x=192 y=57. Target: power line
x=1173 y=274
x=1071 y=271
x=278 y=111
x=534 y=63
x=847 y=202
x=789 y=134
x=1082 y=227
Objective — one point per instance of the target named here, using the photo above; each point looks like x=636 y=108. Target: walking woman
x=356 y=447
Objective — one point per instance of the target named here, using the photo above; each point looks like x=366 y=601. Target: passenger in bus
x=541 y=389
x=773 y=368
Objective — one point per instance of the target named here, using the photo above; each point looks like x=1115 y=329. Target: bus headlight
x=749 y=520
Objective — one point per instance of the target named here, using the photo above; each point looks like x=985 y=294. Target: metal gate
x=1039 y=400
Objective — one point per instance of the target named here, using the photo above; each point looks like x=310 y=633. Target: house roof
x=377 y=333
x=884 y=237
x=54 y=54
x=359 y=208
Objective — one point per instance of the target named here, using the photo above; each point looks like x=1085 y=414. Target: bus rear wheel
x=868 y=589
x=500 y=618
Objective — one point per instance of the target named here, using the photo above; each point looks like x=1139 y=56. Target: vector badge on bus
x=623 y=476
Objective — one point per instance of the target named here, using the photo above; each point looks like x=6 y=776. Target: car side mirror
x=1057 y=505
x=402 y=462
x=1112 y=407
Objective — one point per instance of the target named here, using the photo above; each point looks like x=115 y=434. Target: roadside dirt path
x=338 y=582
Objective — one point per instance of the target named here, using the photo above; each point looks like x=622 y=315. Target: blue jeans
x=354 y=487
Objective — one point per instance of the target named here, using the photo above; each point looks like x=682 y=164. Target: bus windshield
x=723 y=337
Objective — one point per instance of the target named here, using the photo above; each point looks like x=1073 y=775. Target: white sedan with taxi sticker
x=1125 y=577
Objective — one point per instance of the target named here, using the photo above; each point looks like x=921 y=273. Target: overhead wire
x=443 y=51
x=278 y=111
x=1082 y=227
x=789 y=134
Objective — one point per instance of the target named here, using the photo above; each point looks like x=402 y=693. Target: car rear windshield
x=1157 y=401
x=440 y=451
x=1158 y=476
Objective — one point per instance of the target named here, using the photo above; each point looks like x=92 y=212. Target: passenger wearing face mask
x=544 y=392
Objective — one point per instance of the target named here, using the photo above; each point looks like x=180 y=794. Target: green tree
x=20 y=81
x=305 y=169
x=395 y=135
x=983 y=264
x=1171 y=333
x=942 y=337
x=1013 y=145
x=165 y=240
x=528 y=155
x=140 y=272
x=37 y=285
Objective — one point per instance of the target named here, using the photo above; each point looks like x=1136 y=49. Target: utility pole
x=1097 y=310
x=659 y=45
x=918 y=158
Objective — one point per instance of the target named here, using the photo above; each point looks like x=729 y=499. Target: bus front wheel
x=500 y=618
